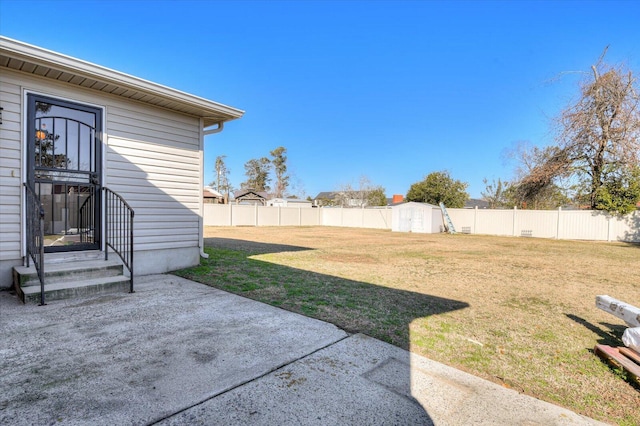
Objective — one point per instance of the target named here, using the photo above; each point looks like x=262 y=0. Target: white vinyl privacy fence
x=560 y=224
x=244 y=215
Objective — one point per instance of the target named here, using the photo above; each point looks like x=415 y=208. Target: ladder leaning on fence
x=447 y=219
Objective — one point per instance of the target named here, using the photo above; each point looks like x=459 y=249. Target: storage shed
x=416 y=217
x=288 y=202
x=75 y=133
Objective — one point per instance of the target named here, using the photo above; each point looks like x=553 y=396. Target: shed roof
x=408 y=204
x=30 y=59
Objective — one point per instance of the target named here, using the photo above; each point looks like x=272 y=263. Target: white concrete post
x=558 y=224
x=515 y=209
x=256 y=213
x=279 y=216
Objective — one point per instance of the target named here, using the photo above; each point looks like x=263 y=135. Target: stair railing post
x=41 y=254
x=131 y=251
x=106 y=224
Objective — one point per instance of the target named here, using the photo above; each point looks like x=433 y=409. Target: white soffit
x=34 y=60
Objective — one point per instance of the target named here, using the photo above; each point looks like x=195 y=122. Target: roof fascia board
x=61 y=62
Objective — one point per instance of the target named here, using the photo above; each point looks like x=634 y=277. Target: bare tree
x=363 y=194
x=542 y=181
x=598 y=138
x=495 y=193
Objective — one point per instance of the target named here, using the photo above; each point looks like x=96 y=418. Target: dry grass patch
x=518 y=311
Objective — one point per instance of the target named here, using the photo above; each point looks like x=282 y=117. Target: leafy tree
x=279 y=163
x=257 y=172
x=377 y=197
x=439 y=187
x=598 y=140
x=620 y=193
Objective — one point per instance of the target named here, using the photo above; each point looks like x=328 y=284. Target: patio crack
x=266 y=373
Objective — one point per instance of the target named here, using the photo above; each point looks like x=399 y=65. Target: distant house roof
x=211 y=193
x=472 y=203
x=326 y=195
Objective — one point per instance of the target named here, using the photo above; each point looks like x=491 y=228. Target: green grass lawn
x=517 y=311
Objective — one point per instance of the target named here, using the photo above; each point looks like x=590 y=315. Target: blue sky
x=389 y=90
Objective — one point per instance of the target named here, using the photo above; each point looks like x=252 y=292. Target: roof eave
x=212 y=112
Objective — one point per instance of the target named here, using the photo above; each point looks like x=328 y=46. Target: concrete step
x=73 y=256
x=66 y=272
x=72 y=289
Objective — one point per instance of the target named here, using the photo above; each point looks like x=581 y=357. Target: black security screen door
x=64 y=169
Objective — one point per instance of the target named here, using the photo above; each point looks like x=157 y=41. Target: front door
x=64 y=168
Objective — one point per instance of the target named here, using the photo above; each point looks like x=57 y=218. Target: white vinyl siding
x=10 y=171
x=152 y=158
x=154 y=163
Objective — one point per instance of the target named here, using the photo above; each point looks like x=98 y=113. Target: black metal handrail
x=35 y=235
x=119 y=229
x=86 y=218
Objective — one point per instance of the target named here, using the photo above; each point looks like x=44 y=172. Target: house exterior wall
x=10 y=178
x=152 y=159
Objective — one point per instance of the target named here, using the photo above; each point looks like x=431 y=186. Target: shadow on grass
x=610 y=335
x=251 y=247
x=357 y=307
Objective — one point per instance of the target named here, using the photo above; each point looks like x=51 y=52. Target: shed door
x=404 y=224
x=64 y=169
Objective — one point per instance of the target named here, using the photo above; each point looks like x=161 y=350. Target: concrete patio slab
x=137 y=358
x=181 y=353
x=363 y=381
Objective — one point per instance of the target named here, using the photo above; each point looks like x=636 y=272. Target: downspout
x=210 y=131
x=204 y=132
